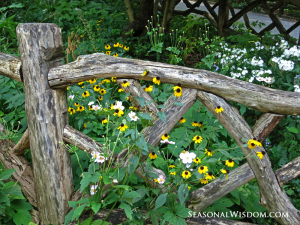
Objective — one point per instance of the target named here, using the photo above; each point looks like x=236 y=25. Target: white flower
x=166 y=141
x=188 y=165
x=297 y=89
x=251 y=79
x=115 y=181
x=133 y=116
x=269 y=80
x=118 y=105
x=161 y=179
x=95 y=154
x=96 y=107
x=71 y=97
x=100 y=159
x=93 y=189
x=91 y=103
x=187 y=157
x=260 y=79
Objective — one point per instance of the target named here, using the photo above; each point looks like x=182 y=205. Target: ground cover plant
x=197 y=150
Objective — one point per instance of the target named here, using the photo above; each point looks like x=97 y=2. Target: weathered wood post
x=46 y=109
x=223 y=15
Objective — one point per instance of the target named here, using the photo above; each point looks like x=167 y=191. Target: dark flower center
x=218 y=107
x=197 y=137
x=181 y=118
x=252 y=144
x=186 y=173
x=201 y=167
x=117 y=110
x=157 y=78
x=197 y=160
x=254 y=139
x=200 y=122
x=153 y=153
x=179 y=84
x=178 y=90
x=124 y=82
x=209 y=150
x=147 y=85
x=227 y=171
x=166 y=135
x=122 y=125
x=209 y=173
x=230 y=160
x=263 y=152
x=195 y=121
x=103 y=119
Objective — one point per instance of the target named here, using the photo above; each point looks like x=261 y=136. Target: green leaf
x=1 y=113
x=183 y=192
x=78 y=211
x=5 y=174
x=162 y=116
x=96 y=206
x=243 y=109
x=85 y=182
x=72 y=204
x=225 y=153
x=149 y=102
x=22 y=217
x=141 y=100
x=132 y=164
x=182 y=211
x=127 y=209
x=160 y=201
x=160 y=106
x=178 y=103
x=130 y=194
x=293 y=130
x=21 y=204
x=145 y=116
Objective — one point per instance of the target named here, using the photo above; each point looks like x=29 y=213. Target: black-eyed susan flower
x=114 y=79
x=260 y=154
x=120 y=90
x=225 y=172
x=90 y=107
x=172 y=166
x=104 y=120
x=126 y=48
x=92 y=81
x=182 y=120
x=195 y=124
x=197 y=139
x=208 y=152
x=133 y=107
x=196 y=160
x=219 y=109
x=186 y=174
x=115 y=55
x=165 y=136
x=100 y=98
x=71 y=110
x=229 y=163
x=200 y=124
x=116 y=44
x=148 y=88
x=85 y=126
x=209 y=176
x=121 y=45
x=102 y=92
x=128 y=99
x=76 y=104
x=97 y=88
x=122 y=127
x=85 y=94
x=156 y=80
x=118 y=112
x=152 y=155
x=177 y=92
x=252 y=143
x=125 y=83
x=107 y=46
x=105 y=81
x=83 y=87
x=145 y=73
x=173 y=173
x=202 y=169
x=189 y=187
x=155 y=180
x=108 y=52
x=81 y=83
x=80 y=108
x=68 y=88
x=203 y=181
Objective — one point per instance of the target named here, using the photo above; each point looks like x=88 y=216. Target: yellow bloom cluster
x=252 y=143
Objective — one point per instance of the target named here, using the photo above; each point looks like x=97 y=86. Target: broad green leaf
x=183 y=192
x=130 y=194
x=162 y=116
x=132 y=164
x=293 y=130
x=160 y=201
x=127 y=209
x=5 y=174
x=22 y=217
x=96 y=206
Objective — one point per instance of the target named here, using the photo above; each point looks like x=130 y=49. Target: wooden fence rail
x=45 y=80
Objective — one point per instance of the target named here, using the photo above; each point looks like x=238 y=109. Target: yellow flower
x=145 y=73
x=71 y=110
x=219 y=109
x=196 y=160
x=116 y=44
x=85 y=94
x=81 y=83
x=252 y=143
x=200 y=124
x=186 y=174
x=76 y=104
x=197 y=139
x=122 y=127
x=100 y=98
x=202 y=169
x=128 y=99
x=148 y=88
x=203 y=181
x=165 y=136
x=152 y=155
x=102 y=92
x=125 y=83
x=83 y=87
x=80 y=108
x=115 y=55
x=229 y=163
x=107 y=46
x=172 y=166
x=118 y=112
x=133 y=107
x=121 y=45
x=155 y=180
x=104 y=120
x=68 y=88
x=209 y=176
x=189 y=187
x=120 y=90
x=225 y=172
x=156 y=80
x=208 y=152
x=108 y=52
x=178 y=92
x=113 y=79
x=126 y=48
x=97 y=88
x=92 y=81
x=177 y=86
x=105 y=81
x=195 y=124
x=260 y=154
x=182 y=120
x=90 y=107
x=84 y=125
x=173 y=173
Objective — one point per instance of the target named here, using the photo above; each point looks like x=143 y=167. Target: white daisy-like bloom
x=166 y=141
x=96 y=107
x=161 y=179
x=115 y=181
x=187 y=157
x=260 y=79
x=297 y=89
x=93 y=189
x=100 y=159
x=95 y=155
x=91 y=103
x=118 y=105
x=251 y=79
x=132 y=116
x=71 y=97
x=269 y=80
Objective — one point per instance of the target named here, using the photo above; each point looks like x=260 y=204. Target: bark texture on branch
x=273 y=197
x=254 y=96
x=23 y=144
x=47 y=114
x=10 y=66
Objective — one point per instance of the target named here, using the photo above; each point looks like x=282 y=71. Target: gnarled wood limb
x=293 y=27
x=248 y=25
x=273 y=197
x=10 y=66
x=99 y=65
x=47 y=114
x=210 y=10
x=24 y=172
x=23 y=144
x=267 y=28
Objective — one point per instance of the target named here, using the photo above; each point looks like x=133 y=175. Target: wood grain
x=47 y=114
x=23 y=144
x=99 y=65
x=10 y=66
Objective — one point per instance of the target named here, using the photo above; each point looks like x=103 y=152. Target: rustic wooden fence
x=48 y=184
